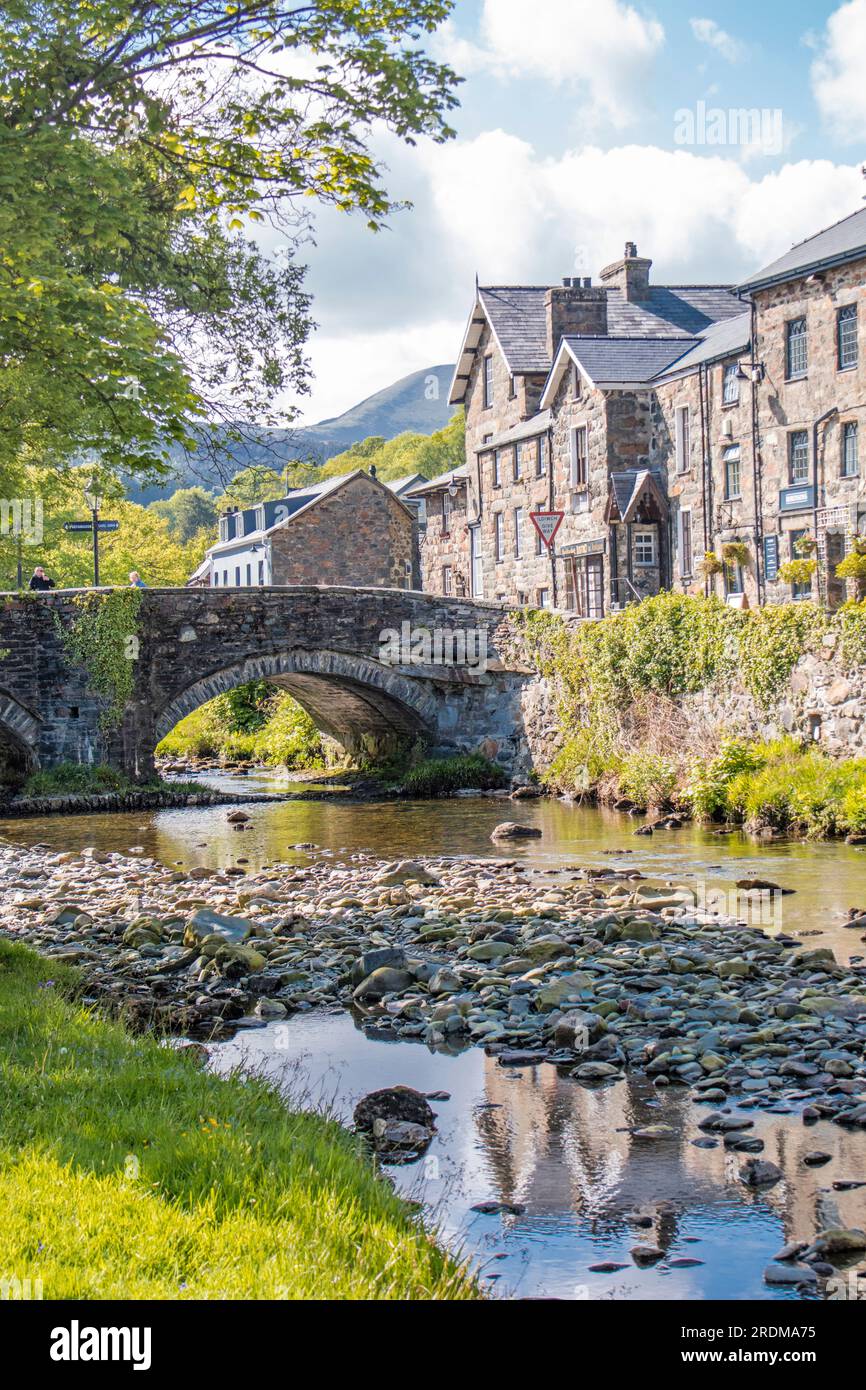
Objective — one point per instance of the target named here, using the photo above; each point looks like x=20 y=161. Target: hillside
x=408 y=404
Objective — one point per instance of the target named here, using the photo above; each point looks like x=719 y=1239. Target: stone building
x=693 y=437
x=351 y=530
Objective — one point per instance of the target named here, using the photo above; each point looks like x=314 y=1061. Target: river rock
x=760 y=1172
x=381 y=982
x=204 y=923
x=790 y=1274
x=510 y=830
x=393 y=1103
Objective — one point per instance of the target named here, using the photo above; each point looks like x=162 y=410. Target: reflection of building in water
x=560 y=1147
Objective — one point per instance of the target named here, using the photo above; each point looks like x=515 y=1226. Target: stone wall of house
x=786 y=406
x=445 y=544
x=360 y=534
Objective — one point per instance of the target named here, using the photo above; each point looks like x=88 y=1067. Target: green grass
x=126 y=1171
x=439 y=776
x=88 y=779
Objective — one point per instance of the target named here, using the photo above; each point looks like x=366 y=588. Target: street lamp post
x=93 y=500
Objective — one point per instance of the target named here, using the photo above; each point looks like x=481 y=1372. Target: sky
x=584 y=124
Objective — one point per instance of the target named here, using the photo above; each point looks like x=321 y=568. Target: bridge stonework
x=322 y=645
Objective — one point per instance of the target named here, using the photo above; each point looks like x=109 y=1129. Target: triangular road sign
x=547 y=524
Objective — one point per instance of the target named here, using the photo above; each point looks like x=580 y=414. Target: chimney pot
x=631 y=250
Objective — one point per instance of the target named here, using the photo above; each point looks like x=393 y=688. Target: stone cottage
x=352 y=530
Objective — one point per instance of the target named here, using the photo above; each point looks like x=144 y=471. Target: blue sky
x=578 y=130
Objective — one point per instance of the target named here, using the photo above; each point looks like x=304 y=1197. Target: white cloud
x=604 y=47
x=396 y=303
x=709 y=32
x=839 y=70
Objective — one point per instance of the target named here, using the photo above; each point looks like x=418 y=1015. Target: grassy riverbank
x=126 y=1171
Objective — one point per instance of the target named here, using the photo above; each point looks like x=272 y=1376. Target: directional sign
x=547 y=524
x=77 y=527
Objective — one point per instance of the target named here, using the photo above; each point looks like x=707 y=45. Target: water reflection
x=590 y=1189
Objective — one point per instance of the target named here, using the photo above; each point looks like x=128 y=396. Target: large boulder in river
x=233 y=962
x=382 y=982
x=397 y=1103
x=204 y=923
x=510 y=830
x=381 y=958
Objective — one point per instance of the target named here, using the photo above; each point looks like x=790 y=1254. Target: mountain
x=418 y=403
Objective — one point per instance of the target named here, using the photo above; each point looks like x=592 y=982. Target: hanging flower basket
x=735 y=553
x=710 y=565
x=798 y=571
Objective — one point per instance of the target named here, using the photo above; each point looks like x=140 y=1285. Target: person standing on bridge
x=40 y=581
x=135 y=580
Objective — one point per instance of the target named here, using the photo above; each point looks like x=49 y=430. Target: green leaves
x=138 y=143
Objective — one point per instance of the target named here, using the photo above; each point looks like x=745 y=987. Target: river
x=584 y=1191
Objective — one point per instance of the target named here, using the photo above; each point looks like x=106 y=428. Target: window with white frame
x=685 y=539
x=731 y=384
x=447 y=579
x=497 y=468
x=541 y=457
x=488 y=382
x=798 y=460
x=733 y=483
x=683 y=439
x=499 y=535
x=846 y=337
x=542 y=598
x=850 y=450
x=579 y=465
x=796 y=349
x=645 y=551
x=518 y=533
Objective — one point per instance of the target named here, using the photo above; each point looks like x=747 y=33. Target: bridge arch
x=363 y=704
x=19 y=737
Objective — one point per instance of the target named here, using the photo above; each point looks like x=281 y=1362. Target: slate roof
x=626 y=361
x=844 y=241
x=527 y=429
x=626 y=488
x=518 y=321
x=725 y=339
x=278 y=512
x=439 y=484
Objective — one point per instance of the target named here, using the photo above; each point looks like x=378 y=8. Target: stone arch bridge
x=371 y=666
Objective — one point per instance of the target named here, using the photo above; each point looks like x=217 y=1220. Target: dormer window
x=239 y=524
x=224 y=528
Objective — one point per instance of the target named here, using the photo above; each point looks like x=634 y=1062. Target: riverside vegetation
x=616 y=684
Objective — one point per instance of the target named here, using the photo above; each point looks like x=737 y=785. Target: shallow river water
x=531 y=1137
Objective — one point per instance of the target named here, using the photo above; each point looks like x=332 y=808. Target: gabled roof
x=844 y=241
x=614 y=363
x=444 y=480
x=726 y=339
x=277 y=514
x=626 y=490
x=517 y=320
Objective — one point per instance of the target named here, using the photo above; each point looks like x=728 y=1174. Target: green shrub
x=289 y=738
x=68 y=778
x=439 y=776
x=852 y=815
x=709 y=779
x=648 y=779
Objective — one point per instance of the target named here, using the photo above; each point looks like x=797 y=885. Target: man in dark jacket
x=40 y=579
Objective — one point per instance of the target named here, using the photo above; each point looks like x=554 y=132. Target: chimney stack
x=631 y=275
x=574 y=309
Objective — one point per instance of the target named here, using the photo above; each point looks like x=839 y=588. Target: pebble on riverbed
x=598 y=972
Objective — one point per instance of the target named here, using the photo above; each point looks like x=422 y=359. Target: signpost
x=547 y=524
x=94 y=528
